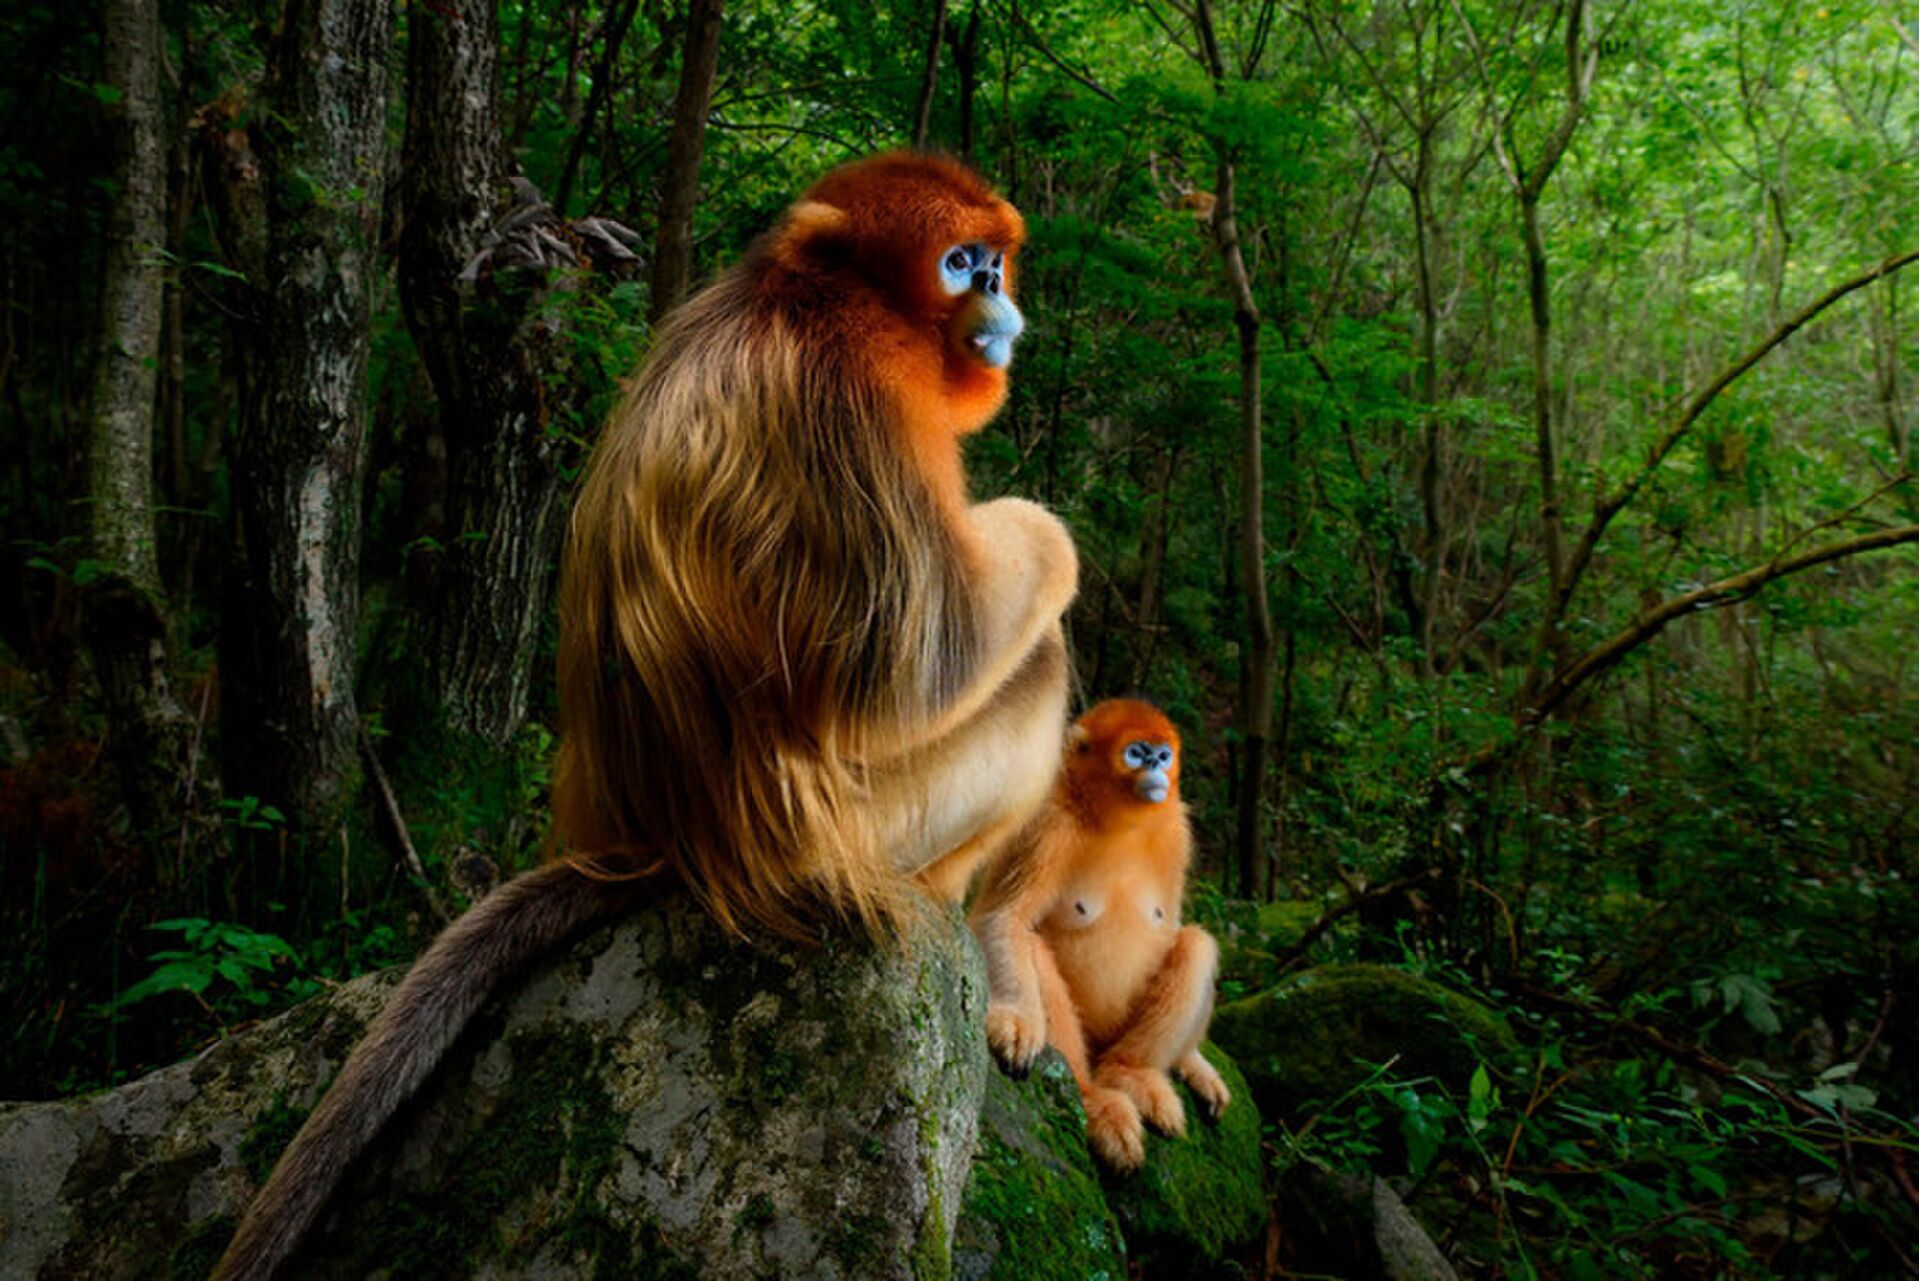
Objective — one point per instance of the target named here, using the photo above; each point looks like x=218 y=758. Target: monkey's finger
x=1015 y=1040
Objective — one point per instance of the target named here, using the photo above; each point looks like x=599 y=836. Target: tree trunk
x=1258 y=712
x=602 y=87
x=1432 y=464
x=929 y=75
x=673 y=247
x=287 y=647
x=150 y=733
x=487 y=353
x=1257 y=663
x=1542 y=320
x=966 y=64
x=1153 y=561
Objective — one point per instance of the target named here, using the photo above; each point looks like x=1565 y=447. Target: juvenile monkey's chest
x=1110 y=930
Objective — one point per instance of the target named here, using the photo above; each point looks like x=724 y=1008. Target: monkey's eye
x=957 y=268
x=1137 y=755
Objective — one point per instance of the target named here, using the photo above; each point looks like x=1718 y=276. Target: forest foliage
x=1488 y=427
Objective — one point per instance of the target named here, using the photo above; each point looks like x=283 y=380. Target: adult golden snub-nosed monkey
x=801 y=674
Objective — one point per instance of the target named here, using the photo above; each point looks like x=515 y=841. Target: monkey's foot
x=1015 y=1037
x=1151 y=1092
x=1207 y=1085
x=1113 y=1129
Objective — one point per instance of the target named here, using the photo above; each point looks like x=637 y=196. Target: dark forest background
x=1488 y=428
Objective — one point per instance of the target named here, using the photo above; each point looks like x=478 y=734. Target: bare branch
x=1726 y=591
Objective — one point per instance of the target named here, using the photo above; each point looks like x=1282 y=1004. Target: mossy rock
x=1284 y=922
x=1198 y=1197
x=1255 y=936
x=1037 y=1207
x=655 y=1100
x=1034 y=1209
x=1322 y=1032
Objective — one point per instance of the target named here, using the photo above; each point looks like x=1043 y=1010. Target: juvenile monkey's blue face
x=987 y=322
x=1150 y=763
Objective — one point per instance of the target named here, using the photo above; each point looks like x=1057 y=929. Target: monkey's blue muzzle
x=993 y=322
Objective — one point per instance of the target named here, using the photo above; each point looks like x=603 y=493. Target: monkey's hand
x=1015 y=1036
x=1206 y=1083
x=1025 y=572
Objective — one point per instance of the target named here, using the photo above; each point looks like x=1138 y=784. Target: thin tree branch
x=1725 y=591
x=596 y=99
x=403 y=843
x=1610 y=507
x=929 y=75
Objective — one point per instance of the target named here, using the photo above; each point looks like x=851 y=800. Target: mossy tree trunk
x=124 y=616
x=490 y=348
x=287 y=645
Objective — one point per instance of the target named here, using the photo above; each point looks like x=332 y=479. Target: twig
x=1360 y=899
x=193 y=777
x=391 y=808
x=1680 y=1052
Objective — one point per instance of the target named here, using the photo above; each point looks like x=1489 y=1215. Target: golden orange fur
x=1085 y=951
x=773 y=586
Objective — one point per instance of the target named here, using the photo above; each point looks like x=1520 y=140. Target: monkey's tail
x=517 y=922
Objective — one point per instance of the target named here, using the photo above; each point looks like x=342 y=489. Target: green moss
x=552 y=1130
x=269 y=1135
x=854 y=1239
x=193 y=1258
x=754 y=1215
x=1318 y=1034
x=1033 y=1207
x=1284 y=922
x=1200 y=1196
x=932 y=1258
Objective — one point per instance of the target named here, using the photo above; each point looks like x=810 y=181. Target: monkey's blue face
x=1150 y=763
x=987 y=322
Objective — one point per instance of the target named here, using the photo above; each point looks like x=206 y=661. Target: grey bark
x=673 y=246
x=490 y=347
x=287 y=647
x=121 y=456
x=124 y=620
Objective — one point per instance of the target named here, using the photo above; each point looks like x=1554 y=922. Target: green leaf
x=1422 y=1128
x=1709 y=1178
x=1482 y=1099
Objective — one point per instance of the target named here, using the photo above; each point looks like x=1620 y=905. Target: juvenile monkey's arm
x=1020 y=892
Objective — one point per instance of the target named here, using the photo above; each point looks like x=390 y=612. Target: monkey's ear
x=1079 y=738
x=812 y=225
